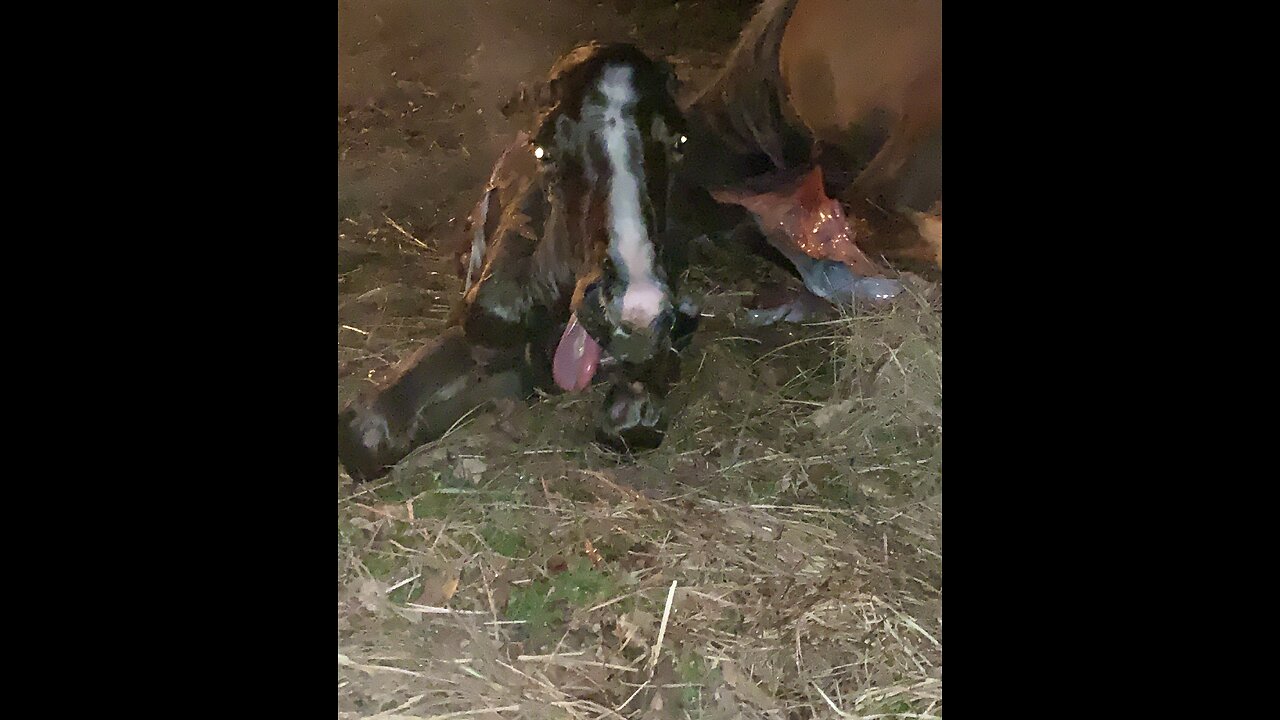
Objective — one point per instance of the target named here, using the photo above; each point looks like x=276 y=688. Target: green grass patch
x=433 y=504
x=692 y=669
x=504 y=542
x=380 y=564
x=544 y=603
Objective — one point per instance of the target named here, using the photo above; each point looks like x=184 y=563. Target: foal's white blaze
x=628 y=241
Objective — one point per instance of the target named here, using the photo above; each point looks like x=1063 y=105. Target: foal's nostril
x=665 y=321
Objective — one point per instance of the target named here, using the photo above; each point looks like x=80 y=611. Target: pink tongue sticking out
x=577 y=357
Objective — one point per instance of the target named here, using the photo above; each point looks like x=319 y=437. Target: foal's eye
x=677 y=145
x=540 y=152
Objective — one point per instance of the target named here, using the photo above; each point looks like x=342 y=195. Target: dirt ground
x=515 y=570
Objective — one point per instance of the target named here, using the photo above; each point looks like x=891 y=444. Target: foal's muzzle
x=626 y=343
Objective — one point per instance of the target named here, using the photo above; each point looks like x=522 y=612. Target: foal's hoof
x=363 y=445
x=633 y=419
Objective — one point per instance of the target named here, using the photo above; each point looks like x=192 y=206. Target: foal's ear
x=527 y=98
x=564 y=128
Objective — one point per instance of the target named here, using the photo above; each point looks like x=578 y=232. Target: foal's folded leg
x=635 y=414
x=423 y=398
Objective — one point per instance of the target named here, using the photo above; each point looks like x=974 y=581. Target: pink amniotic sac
x=800 y=216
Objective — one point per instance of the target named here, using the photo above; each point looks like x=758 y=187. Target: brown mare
x=852 y=85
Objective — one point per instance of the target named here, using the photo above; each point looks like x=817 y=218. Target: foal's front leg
x=481 y=357
x=636 y=414
x=423 y=397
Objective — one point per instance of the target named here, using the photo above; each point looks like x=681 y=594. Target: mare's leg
x=900 y=193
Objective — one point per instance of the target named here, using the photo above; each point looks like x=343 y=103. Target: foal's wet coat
x=571 y=270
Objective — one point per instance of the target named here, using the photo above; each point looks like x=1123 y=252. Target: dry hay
x=514 y=571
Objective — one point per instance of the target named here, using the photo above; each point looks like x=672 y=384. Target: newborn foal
x=571 y=269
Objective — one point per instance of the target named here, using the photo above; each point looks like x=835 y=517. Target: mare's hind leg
x=900 y=194
x=423 y=398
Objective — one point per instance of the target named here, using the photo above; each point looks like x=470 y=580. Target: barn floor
x=513 y=569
